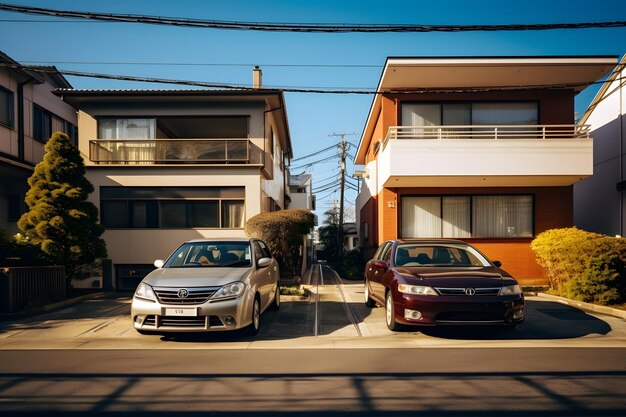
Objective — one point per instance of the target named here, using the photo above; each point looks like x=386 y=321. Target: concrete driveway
x=334 y=317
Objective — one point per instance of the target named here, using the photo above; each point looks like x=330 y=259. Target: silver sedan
x=208 y=285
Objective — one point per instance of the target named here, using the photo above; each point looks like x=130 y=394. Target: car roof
x=431 y=241
x=221 y=239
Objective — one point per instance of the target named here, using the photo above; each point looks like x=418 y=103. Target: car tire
x=390 y=313
x=368 y=300
x=253 y=328
x=276 y=303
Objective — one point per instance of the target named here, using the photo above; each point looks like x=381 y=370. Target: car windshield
x=439 y=255
x=210 y=254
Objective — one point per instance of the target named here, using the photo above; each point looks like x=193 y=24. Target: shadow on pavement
x=544 y=320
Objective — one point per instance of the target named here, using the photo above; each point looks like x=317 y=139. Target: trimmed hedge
x=283 y=231
x=582 y=265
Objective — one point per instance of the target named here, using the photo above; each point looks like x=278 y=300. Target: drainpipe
x=621 y=157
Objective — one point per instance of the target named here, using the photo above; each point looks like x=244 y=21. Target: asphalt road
x=328 y=354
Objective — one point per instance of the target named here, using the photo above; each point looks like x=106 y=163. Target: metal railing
x=24 y=287
x=470 y=132
x=174 y=151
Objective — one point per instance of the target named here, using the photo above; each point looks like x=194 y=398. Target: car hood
x=453 y=277
x=195 y=277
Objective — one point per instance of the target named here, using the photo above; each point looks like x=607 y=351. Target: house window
x=6 y=107
x=172 y=207
x=464 y=114
x=493 y=216
x=46 y=123
x=126 y=128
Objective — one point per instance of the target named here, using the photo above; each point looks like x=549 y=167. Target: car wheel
x=368 y=301
x=390 y=313
x=253 y=328
x=276 y=303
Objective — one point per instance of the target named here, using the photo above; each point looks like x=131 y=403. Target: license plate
x=189 y=312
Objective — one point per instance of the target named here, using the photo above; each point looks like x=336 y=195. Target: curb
x=49 y=307
x=609 y=311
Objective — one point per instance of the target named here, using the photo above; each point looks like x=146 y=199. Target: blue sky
x=312 y=117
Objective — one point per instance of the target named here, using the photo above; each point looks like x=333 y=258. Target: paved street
x=326 y=354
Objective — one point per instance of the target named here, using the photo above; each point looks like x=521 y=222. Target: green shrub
x=352 y=265
x=582 y=265
x=283 y=231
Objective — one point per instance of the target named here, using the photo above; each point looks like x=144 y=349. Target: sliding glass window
x=492 y=216
x=6 y=107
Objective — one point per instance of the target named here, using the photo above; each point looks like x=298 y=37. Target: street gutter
x=594 y=308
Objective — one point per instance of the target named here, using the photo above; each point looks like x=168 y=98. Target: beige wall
x=8 y=136
x=143 y=246
x=275 y=187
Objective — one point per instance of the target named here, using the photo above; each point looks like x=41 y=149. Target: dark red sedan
x=441 y=282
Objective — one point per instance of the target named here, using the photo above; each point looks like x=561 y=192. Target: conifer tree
x=60 y=220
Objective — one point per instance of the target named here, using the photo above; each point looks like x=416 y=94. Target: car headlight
x=510 y=290
x=416 y=289
x=145 y=292
x=231 y=290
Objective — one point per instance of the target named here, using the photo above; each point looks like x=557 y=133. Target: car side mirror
x=381 y=264
x=159 y=263
x=498 y=264
x=263 y=262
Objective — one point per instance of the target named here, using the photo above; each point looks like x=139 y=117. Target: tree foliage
x=582 y=265
x=60 y=220
x=328 y=235
x=283 y=231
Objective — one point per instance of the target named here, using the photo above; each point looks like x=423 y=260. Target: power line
x=315 y=162
x=415 y=90
x=199 y=64
x=315 y=153
x=298 y=27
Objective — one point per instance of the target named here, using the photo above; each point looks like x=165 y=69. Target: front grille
x=172 y=321
x=167 y=321
x=195 y=296
x=470 y=316
x=461 y=291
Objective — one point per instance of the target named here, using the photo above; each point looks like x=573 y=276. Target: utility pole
x=342 y=182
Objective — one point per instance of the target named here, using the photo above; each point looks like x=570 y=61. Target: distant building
x=600 y=200
x=301 y=192
x=29 y=115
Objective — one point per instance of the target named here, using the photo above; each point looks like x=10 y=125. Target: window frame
x=70 y=129
x=158 y=201
x=471 y=105
x=471 y=212
x=10 y=98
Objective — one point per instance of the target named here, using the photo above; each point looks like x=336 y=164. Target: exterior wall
x=14 y=174
x=598 y=206
x=8 y=135
x=143 y=246
x=41 y=94
x=553 y=209
x=274 y=187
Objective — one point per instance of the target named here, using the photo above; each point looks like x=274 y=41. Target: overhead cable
x=414 y=90
x=299 y=27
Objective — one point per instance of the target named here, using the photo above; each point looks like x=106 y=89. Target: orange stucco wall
x=553 y=209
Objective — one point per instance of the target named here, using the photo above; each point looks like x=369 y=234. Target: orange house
x=480 y=149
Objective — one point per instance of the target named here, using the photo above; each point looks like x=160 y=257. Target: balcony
x=174 y=151
x=448 y=156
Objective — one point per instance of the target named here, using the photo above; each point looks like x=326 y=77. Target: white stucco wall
x=598 y=206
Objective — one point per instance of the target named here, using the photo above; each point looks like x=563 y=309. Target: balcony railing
x=174 y=151
x=488 y=132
